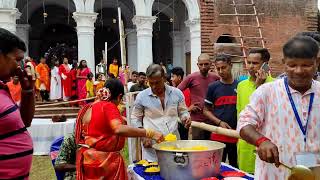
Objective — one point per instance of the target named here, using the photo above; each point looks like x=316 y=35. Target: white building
x=171 y=35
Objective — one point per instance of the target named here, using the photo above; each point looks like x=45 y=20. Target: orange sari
x=99 y=154
x=44 y=70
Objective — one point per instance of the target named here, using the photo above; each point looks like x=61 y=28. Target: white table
x=44 y=132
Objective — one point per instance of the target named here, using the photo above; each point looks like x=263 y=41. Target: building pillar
x=8 y=17
x=177 y=45
x=85 y=30
x=144 y=26
x=132 y=48
x=23 y=34
x=195 y=39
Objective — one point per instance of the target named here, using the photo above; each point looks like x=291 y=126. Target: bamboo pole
x=66 y=102
x=215 y=129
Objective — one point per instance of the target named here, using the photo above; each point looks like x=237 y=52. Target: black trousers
x=183 y=132
x=199 y=134
x=44 y=95
x=231 y=152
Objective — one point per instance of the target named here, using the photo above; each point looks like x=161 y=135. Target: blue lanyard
x=304 y=129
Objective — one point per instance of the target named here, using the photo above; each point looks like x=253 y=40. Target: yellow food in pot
x=193 y=148
x=170 y=137
x=152 y=170
x=153 y=164
x=142 y=162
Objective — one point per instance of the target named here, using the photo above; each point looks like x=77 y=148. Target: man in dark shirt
x=141 y=85
x=220 y=106
x=198 y=83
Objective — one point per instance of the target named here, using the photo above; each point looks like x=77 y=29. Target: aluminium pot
x=189 y=164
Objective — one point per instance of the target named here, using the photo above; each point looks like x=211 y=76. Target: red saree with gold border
x=99 y=154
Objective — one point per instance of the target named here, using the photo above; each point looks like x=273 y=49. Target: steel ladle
x=298 y=172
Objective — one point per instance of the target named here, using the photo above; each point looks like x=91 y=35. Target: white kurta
x=271 y=113
x=55 y=85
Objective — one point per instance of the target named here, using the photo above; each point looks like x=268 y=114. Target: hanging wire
x=68 y=11
x=44 y=12
x=173 y=17
x=158 y=17
x=27 y=11
x=101 y=14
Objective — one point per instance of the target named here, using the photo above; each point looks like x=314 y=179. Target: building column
x=23 y=33
x=144 y=26
x=132 y=48
x=8 y=19
x=177 y=45
x=195 y=38
x=85 y=30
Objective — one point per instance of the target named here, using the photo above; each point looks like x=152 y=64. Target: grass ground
x=42 y=168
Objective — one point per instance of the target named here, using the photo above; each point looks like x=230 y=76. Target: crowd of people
x=277 y=118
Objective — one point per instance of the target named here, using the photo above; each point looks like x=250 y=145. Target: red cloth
x=187 y=98
x=66 y=83
x=222 y=138
x=103 y=159
x=73 y=75
x=81 y=85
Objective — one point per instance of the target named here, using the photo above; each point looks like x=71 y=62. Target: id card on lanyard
x=304 y=158
x=303 y=128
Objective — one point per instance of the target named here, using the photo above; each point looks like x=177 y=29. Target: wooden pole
x=215 y=129
x=121 y=34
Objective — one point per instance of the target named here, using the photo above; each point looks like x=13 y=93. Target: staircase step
x=68 y=115
x=56 y=108
x=57 y=111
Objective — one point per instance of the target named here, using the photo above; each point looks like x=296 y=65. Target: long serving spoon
x=297 y=172
x=300 y=172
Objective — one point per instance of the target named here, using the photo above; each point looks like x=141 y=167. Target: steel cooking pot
x=189 y=164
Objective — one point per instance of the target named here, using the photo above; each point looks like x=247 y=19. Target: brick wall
x=280 y=21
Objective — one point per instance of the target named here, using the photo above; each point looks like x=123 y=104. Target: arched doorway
x=161 y=38
x=106 y=34
x=57 y=28
x=170 y=31
x=107 y=27
x=107 y=30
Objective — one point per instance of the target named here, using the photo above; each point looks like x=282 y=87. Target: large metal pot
x=189 y=164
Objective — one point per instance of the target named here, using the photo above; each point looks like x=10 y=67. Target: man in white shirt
x=134 y=79
x=101 y=68
x=159 y=107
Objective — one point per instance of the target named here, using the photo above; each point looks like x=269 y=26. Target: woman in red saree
x=66 y=79
x=82 y=73
x=101 y=134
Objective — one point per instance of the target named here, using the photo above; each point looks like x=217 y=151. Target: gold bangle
x=149 y=133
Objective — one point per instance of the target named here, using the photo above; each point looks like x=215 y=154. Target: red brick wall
x=281 y=20
x=207 y=25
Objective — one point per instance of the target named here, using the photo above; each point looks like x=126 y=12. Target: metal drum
x=189 y=164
